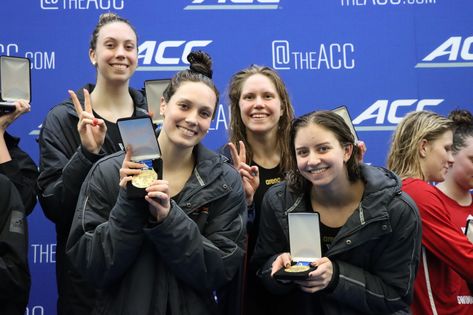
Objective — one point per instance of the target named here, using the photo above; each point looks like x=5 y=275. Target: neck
x=265 y=148
x=450 y=188
x=174 y=157
x=108 y=98
x=338 y=196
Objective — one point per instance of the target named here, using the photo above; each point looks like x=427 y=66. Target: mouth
x=259 y=115
x=119 y=66
x=186 y=131
x=317 y=171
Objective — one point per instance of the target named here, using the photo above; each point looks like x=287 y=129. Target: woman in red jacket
x=421 y=152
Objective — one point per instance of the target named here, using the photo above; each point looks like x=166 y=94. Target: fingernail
x=95 y=122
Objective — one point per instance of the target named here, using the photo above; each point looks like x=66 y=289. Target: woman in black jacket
x=18 y=175
x=77 y=133
x=370 y=230
x=173 y=251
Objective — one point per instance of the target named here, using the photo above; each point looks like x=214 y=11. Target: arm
x=440 y=236
x=22 y=172
x=271 y=244
x=15 y=163
x=66 y=156
x=107 y=232
x=208 y=260
x=14 y=274
x=388 y=286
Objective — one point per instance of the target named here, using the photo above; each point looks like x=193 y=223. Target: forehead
x=117 y=30
x=313 y=134
x=197 y=92
x=258 y=81
x=445 y=138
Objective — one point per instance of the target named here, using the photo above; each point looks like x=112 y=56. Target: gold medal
x=144 y=179
x=297 y=268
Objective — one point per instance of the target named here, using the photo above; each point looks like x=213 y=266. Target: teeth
x=120 y=66
x=258 y=116
x=317 y=171
x=187 y=132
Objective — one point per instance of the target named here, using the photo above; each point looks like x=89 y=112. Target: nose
x=259 y=102
x=313 y=158
x=450 y=159
x=191 y=117
x=120 y=51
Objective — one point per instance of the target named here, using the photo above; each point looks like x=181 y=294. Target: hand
x=361 y=150
x=319 y=278
x=158 y=199
x=91 y=130
x=283 y=260
x=21 y=107
x=129 y=168
x=249 y=174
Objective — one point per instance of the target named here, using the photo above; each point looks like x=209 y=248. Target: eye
x=248 y=97
x=323 y=149
x=302 y=152
x=268 y=96
x=205 y=114
x=183 y=106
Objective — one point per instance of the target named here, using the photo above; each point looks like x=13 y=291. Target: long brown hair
x=238 y=128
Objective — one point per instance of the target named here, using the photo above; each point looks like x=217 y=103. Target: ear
x=424 y=147
x=92 y=57
x=348 y=151
x=162 y=106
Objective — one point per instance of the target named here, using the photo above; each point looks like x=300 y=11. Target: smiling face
x=188 y=113
x=260 y=104
x=320 y=156
x=436 y=157
x=115 y=55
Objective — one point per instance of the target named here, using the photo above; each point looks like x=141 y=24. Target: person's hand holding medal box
x=138 y=135
x=305 y=246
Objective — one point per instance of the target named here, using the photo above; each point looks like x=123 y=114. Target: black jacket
x=63 y=168
x=376 y=251
x=21 y=171
x=17 y=199
x=14 y=273
x=173 y=267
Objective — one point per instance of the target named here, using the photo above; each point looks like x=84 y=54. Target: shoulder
x=139 y=99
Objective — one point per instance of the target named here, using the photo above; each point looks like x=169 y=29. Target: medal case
x=154 y=90
x=139 y=134
x=15 y=82
x=342 y=111
x=305 y=245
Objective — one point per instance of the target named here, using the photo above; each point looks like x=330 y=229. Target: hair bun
x=200 y=62
x=461 y=117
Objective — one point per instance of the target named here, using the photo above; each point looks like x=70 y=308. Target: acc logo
x=458 y=51
x=233 y=5
x=384 y=112
x=168 y=55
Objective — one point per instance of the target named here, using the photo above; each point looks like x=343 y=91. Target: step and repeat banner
x=380 y=58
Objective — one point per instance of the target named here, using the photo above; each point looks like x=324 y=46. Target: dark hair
x=200 y=70
x=104 y=19
x=333 y=123
x=463 y=128
x=237 y=127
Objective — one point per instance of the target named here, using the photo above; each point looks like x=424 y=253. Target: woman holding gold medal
x=370 y=231
x=172 y=251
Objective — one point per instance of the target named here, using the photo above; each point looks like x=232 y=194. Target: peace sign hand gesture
x=91 y=130
x=249 y=174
